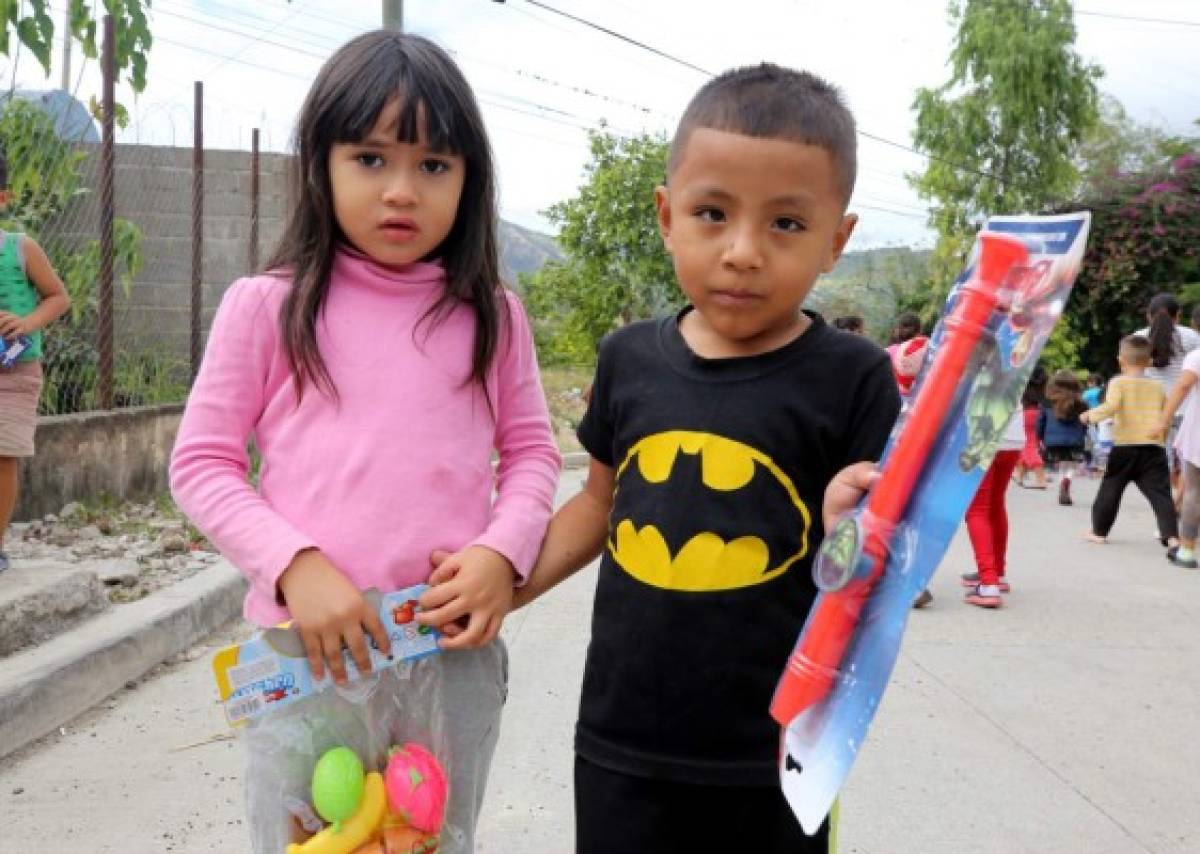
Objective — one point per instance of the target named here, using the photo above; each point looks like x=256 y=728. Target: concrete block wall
x=153 y=189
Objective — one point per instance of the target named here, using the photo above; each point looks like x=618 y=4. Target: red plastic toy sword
x=814 y=665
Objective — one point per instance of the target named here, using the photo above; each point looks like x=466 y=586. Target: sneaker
x=4 y=564
x=923 y=599
x=984 y=596
x=1183 y=563
x=971 y=579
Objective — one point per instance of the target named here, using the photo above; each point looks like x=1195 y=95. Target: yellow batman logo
x=752 y=523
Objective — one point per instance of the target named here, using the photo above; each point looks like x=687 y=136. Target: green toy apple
x=337 y=785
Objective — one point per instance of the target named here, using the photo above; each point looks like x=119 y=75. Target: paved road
x=1065 y=722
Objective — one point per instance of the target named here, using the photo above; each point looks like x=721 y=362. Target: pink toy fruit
x=416 y=787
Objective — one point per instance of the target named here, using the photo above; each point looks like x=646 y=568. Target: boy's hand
x=846 y=490
x=1083 y=418
x=1159 y=431
x=475 y=583
x=330 y=614
x=13 y=325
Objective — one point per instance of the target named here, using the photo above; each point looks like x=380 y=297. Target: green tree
x=44 y=177
x=616 y=269
x=1003 y=131
x=34 y=28
x=1119 y=145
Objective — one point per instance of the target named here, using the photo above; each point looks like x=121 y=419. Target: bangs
x=431 y=104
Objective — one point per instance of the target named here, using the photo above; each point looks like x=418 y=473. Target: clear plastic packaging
x=878 y=558
x=447 y=703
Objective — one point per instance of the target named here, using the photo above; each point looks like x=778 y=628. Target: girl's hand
x=475 y=583
x=846 y=490
x=1160 y=430
x=13 y=325
x=331 y=614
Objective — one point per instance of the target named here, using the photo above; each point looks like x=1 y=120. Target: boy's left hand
x=475 y=583
x=13 y=325
x=846 y=490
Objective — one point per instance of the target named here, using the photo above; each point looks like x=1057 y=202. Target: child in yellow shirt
x=1135 y=404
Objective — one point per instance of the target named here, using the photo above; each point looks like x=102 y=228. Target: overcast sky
x=542 y=79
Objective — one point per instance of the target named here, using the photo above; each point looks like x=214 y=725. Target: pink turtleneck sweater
x=399 y=466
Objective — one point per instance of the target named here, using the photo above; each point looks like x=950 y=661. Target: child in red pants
x=987 y=520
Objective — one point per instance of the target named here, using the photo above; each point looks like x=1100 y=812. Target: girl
x=1187 y=447
x=907 y=351
x=1169 y=343
x=377 y=364
x=1030 y=460
x=31 y=296
x=987 y=520
x=1059 y=429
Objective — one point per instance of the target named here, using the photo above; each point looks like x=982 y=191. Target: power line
x=620 y=36
x=858 y=205
x=539 y=78
x=238 y=60
x=239 y=15
x=259 y=38
x=1138 y=19
x=687 y=64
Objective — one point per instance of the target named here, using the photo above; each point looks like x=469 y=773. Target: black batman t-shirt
x=721 y=467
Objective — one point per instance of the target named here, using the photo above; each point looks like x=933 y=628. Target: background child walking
x=987 y=520
x=1170 y=341
x=1030 y=461
x=1059 y=429
x=1187 y=446
x=1135 y=403
x=31 y=296
x=377 y=364
x=907 y=351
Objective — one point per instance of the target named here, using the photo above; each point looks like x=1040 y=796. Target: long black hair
x=1035 y=389
x=436 y=106
x=1064 y=393
x=1163 y=314
x=908 y=325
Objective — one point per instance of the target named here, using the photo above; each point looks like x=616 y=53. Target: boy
x=714 y=435
x=1135 y=404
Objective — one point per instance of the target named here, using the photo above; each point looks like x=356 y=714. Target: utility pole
x=393 y=15
x=66 y=83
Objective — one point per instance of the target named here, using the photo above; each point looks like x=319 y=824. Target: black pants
x=619 y=813
x=1145 y=465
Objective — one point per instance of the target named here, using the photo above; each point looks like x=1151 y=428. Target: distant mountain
x=866 y=263
x=524 y=251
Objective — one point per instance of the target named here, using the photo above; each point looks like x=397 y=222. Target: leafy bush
x=1145 y=239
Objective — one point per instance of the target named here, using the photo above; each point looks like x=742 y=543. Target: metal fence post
x=107 y=168
x=254 y=202
x=197 y=223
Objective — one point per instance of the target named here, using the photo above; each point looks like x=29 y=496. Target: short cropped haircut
x=773 y=102
x=1135 y=350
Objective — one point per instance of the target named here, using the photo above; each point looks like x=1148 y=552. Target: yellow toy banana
x=356 y=830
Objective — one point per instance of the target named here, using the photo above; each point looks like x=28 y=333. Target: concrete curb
x=44 y=687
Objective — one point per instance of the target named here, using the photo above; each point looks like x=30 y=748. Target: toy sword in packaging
x=876 y=559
